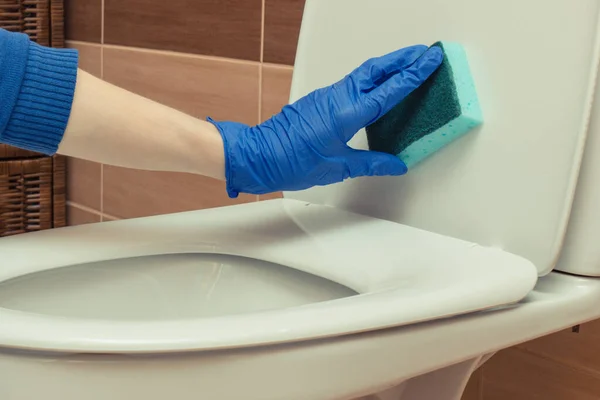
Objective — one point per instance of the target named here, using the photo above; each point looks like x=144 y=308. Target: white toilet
x=376 y=288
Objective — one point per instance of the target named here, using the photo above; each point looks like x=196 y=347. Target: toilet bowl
x=317 y=272
x=374 y=288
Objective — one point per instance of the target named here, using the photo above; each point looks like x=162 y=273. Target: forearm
x=113 y=126
x=50 y=106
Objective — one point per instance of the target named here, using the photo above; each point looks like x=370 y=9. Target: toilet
x=394 y=288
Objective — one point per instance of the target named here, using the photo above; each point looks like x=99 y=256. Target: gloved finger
x=372 y=163
x=375 y=71
x=396 y=88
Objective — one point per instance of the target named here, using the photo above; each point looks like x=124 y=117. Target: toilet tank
x=581 y=249
x=510 y=184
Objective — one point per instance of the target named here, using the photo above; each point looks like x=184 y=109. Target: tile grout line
x=102 y=62
x=102 y=11
x=260 y=67
x=177 y=54
x=260 y=93
x=101 y=39
x=262 y=55
x=108 y=217
x=278 y=66
x=172 y=53
x=84 y=208
x=480 y=386
x=262 y=31
x=103 y=216
x=82 y=42
x=101 y=21
x=549 y=359
x=102 y=190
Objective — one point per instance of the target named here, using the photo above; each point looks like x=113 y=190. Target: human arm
x=74 y=113
x=50 y=106
x=302 y=146
x=113 y=126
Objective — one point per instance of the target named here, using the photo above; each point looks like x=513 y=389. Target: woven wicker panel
x=9 y=152
x=32 y=186
x=36 y=15
x=57 y=23
x=29 y=16
x=43 y=21
x=25 y=196
x=59 y=191
x=11 y=16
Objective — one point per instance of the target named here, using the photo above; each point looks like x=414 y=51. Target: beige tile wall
x=171 y=52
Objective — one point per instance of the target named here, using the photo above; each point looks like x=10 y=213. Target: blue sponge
x=441 y=110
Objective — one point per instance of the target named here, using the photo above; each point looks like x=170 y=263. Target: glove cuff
x=225 y=129
x=247 y=162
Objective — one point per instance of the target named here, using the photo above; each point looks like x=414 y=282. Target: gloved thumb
x=373 y=163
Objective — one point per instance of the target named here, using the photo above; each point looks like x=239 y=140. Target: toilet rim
x=27 y=331
x=498 y=277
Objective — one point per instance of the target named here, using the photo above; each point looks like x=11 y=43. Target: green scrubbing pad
x=441 y=110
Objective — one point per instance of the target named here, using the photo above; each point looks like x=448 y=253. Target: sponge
x=442 y=109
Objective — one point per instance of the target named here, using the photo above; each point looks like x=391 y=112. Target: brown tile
x=222 y=89
x=579 y=350
x=276 y=85
x=90 y=59
x=518 y=375
x=270 y=196
x=83 y=20
x=229 y=28
x=132 y=193
x=282 y=27
x=473 y=389
x=83 y=182
x=79 y=216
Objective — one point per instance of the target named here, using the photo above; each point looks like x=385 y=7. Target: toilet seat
x=428 y=276
x=504 y=184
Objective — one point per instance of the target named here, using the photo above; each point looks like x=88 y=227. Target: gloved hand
x=305 y=145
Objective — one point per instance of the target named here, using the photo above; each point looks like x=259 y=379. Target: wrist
x=232 y=135
x=213 y=164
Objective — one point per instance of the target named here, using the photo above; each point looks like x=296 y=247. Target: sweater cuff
x=43 y=105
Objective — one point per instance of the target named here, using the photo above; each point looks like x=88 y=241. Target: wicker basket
x=32 y=186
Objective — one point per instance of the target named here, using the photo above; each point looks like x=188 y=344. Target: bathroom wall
x=231 y=59
x=227 y=59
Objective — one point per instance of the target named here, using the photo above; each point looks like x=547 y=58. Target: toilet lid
x=509 y=183
x=401 y=275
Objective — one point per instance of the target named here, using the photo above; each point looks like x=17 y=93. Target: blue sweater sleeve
x=37 y=85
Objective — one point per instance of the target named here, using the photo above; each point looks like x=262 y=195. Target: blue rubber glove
x=305 y=145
